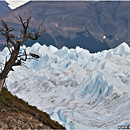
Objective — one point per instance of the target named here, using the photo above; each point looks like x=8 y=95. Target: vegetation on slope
x=16 y=114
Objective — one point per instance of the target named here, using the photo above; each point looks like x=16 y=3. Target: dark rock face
x=3 y=10
x=4 y=7
x=77 y=23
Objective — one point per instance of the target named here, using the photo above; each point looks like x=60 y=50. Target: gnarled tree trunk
x=8 y=66
x=14 y=53
x=1 y=83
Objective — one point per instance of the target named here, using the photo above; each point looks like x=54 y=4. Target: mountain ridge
x=65 y=20
x=4 y=7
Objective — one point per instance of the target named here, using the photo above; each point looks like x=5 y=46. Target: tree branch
x=15 y=57
x=5 y=32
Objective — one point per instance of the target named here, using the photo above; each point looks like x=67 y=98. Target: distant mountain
x=77 y=23
x=4 y=8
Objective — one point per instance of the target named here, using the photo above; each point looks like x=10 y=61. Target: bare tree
x=15 y=57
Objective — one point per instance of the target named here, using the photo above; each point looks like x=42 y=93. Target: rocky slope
x=77 y=23
x=16 y=114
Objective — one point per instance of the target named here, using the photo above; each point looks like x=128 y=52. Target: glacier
x=78 y=89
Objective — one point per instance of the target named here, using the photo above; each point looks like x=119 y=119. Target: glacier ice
x=78 y=89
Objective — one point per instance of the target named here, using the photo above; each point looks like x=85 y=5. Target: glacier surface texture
x=78 y=89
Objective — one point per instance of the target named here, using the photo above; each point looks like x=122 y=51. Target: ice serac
x=78 y=89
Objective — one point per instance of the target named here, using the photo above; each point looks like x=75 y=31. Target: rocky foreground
x=16 y=114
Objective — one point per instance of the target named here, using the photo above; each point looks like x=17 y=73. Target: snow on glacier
x=78 y=89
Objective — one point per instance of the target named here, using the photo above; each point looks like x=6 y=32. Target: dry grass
x=16 y=114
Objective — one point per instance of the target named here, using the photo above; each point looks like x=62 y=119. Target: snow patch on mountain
x=78 y=89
